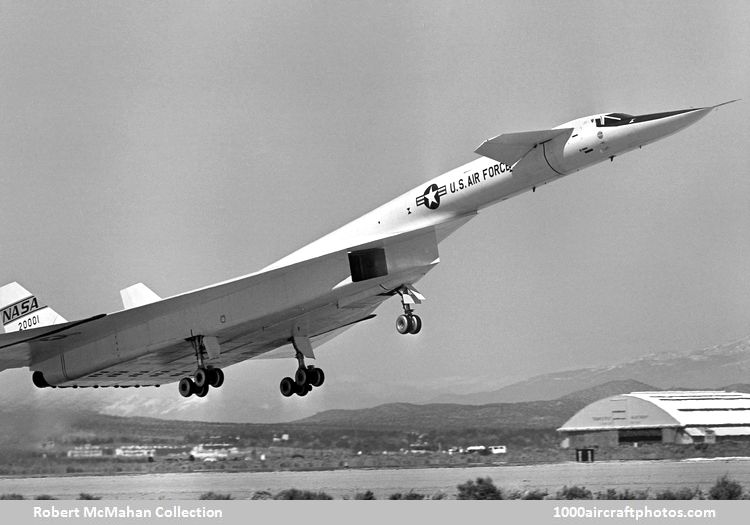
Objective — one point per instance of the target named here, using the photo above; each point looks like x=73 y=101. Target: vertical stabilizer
x=21 y=310
x=138 y=295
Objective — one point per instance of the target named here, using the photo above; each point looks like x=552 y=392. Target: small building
x=213 y=451
x=86 y=451
x=681 y=417
x=135 y=451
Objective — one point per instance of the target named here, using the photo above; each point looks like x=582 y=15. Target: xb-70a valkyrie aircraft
x=317 y=292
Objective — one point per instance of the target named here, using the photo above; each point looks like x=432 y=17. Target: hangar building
x=682 y=417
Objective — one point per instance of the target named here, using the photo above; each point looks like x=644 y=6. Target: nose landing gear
x=409 y=322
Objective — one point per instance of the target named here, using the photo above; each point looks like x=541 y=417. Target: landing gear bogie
x=306 y=377
x=205 y=377
x=203 y=380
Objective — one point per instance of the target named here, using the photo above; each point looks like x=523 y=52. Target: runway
x=634 y=475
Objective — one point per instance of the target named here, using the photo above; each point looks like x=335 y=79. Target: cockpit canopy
x=620 y=119
x=614 y=119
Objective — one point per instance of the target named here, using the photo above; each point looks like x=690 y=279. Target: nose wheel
x=409 y=322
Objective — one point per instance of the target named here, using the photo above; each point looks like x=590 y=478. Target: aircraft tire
x=202 y=391
x=312 y=374
x=201 y=377
x=301 y=377
x=303 y=390
x=186 y=387
x=317 y=377
x=402 y=324
x=287 y=387
x=215 y=377
x=415 y=324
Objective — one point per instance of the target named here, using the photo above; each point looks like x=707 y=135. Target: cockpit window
x=614 y=119
x=620 y=119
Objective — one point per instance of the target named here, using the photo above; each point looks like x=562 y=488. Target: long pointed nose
x=656 y=126
x=649 y=128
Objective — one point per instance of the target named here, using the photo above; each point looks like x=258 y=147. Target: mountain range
x=718 y=367
x=20 y=428
x=722 y=366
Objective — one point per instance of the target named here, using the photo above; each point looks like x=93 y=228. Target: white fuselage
x=469 y=188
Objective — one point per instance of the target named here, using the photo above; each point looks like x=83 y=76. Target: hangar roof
x=662 y=410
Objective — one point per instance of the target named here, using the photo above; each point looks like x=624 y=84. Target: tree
x=483 y=488
x=725 y=488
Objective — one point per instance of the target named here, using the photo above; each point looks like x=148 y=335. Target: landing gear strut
x=205 y=376
x=409 y=322
x=305 y=378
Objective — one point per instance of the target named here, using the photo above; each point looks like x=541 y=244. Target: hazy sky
x=185 y=143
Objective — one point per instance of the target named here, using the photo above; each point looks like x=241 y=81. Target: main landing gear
x=306 y=377
x=409 y=322
x=304 y=380
x=204 y=377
